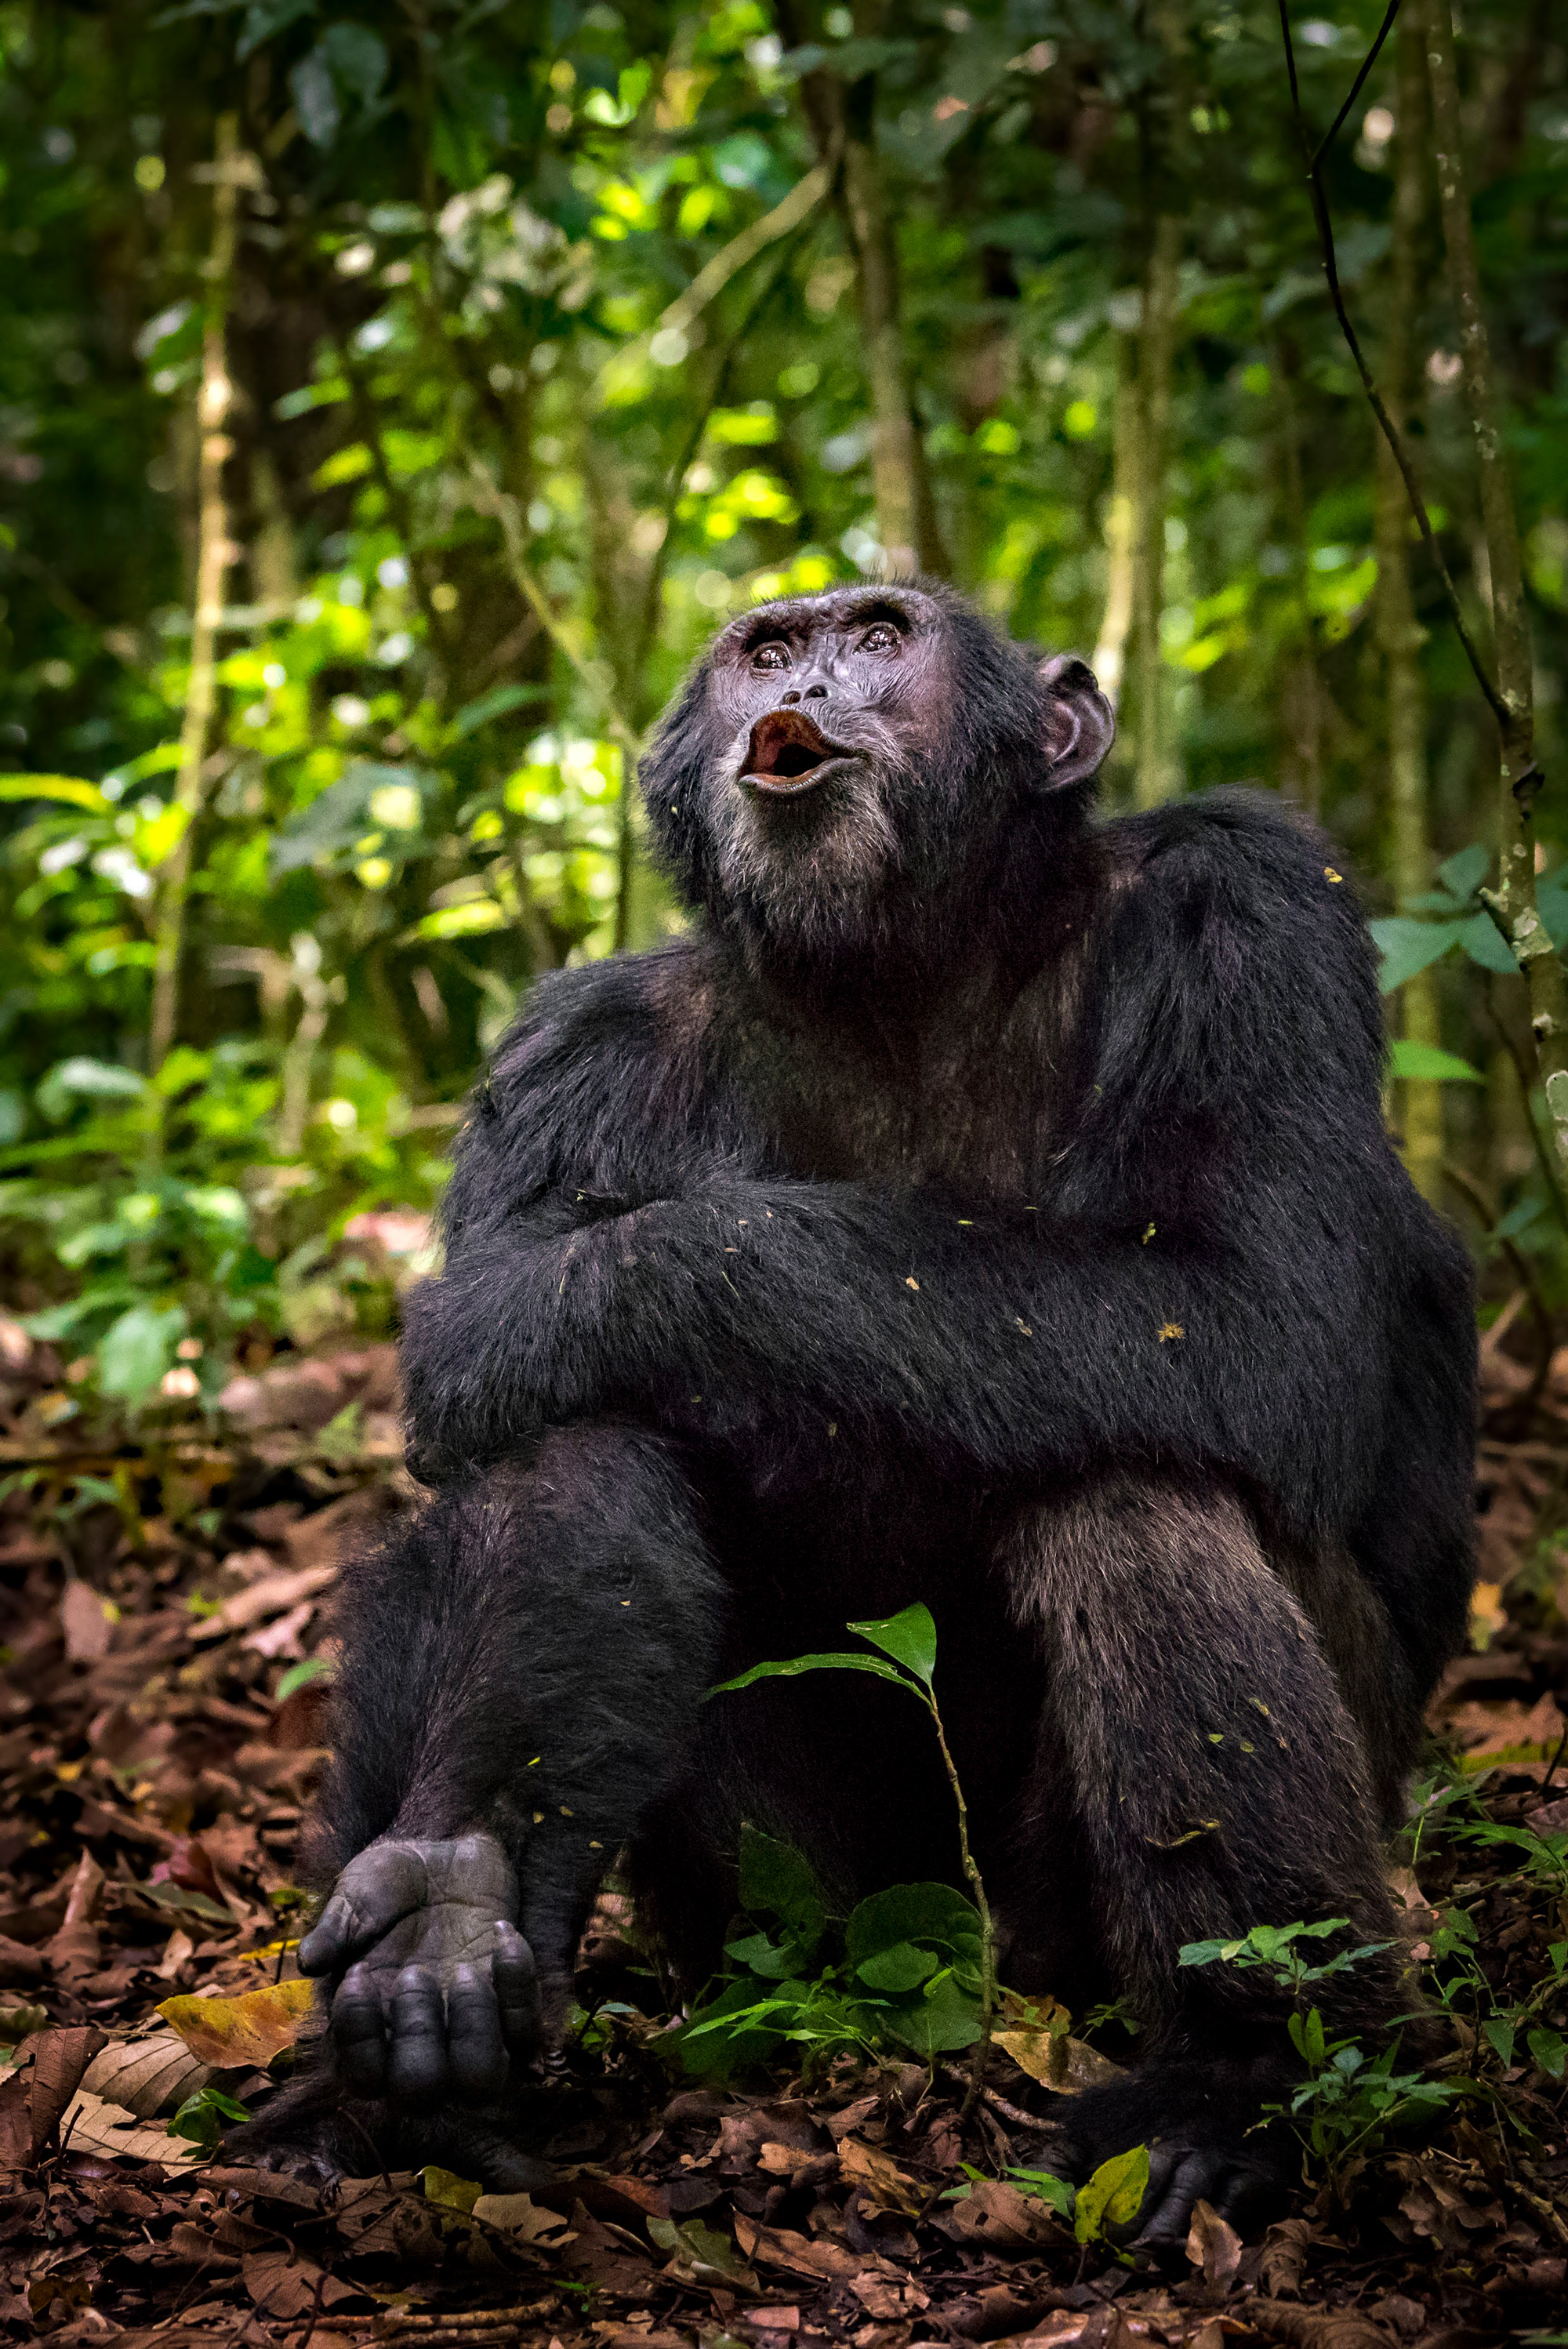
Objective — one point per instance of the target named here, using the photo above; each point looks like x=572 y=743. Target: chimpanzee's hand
x=440 y=1992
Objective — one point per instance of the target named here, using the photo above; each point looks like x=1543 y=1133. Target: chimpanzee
x=985 y=1203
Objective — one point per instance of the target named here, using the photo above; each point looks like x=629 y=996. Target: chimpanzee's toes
x=1242 y=2193
x=358 y=2033
x=417 y=2063
x=475 y=2052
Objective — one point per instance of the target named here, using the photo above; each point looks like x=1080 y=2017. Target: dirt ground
x=152 y=1792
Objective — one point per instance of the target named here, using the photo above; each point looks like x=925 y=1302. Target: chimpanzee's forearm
x=1011 y=1341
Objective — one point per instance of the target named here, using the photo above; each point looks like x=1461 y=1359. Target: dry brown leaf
x=1214 y=2245
x=882 y=2179
x=1000 y=2218
x=91 y=2126
x=1285 y=2247
x=284 y=2285
x=59 y=2060
x=779 y=2246
x=146 y=2076
x=84 y=1622
x=76 y=1948
x=1316 y=2328
x=19 y=1963
x=252 y=2029
x=886 y=2300
x=519 y=2215
x=273 y=1595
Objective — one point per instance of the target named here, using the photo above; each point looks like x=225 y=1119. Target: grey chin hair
x=810 y=898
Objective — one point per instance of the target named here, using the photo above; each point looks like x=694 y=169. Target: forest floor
x=151 y=1795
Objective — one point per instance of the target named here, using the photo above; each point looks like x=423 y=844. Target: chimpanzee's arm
x=1219 y=1271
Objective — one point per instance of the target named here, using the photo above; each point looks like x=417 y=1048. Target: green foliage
x=900 y=1974
x=203 y=2118
x=462 y=261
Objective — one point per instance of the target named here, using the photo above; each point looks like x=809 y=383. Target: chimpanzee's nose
x=818 y=692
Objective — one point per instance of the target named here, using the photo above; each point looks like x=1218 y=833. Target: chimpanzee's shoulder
x=627 y=1011
x=1244 y=862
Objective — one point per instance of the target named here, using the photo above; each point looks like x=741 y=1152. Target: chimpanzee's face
x=851 y=769
x=827 y=717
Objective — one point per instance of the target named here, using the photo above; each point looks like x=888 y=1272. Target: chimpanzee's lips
x=787 y=755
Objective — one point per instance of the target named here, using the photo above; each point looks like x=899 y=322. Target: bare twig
x=503 y=507
x=1314 y=160
x=712 y=278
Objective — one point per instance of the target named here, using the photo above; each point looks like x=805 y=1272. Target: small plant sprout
x=909 y=1638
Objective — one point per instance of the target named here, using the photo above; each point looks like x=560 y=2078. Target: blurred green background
x=393 y=398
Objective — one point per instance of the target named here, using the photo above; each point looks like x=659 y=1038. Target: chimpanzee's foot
x=310 y=2132
x=1202 y=2123
x=437 y=1993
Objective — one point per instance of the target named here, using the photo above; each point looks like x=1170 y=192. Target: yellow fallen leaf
x=883 y=2182
x=253 y=2029
x=450 y=2191
x=1487 y=1615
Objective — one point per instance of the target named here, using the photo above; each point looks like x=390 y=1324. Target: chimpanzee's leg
x=522 y=1664
x=1218 y=1782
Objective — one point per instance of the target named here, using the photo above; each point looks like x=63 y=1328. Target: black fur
x=988 y=1205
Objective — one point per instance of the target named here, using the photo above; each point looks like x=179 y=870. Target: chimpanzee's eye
x=881 y=638
x=770 y=655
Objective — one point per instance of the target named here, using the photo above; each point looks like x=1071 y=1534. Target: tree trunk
x=1399 y=631
x=1110 y=652
x=844 y=124
x=1514 y=900
x=215 y=554
x=1156 y=349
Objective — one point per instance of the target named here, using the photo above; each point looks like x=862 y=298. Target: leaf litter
x=152 y=1783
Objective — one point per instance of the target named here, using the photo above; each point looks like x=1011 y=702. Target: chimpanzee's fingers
x=1165 y=2216
x=474 y=2049
x=517 y=1990
x=384 y=1882
x=417 y=2064
x=358 y=2033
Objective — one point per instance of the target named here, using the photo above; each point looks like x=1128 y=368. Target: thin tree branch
x=1315 y=161
x=1367 y=62
x=712 y=278
x=492 y=499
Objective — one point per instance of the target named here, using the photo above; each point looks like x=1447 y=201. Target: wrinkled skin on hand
x=438 y=1992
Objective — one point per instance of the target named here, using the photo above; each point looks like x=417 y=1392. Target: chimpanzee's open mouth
x=787 y=755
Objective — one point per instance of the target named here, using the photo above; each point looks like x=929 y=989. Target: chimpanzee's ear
x=1080 y=725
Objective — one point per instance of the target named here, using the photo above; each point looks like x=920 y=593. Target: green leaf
x=1549 y=2050
x=1484 y=943
x=1464 y=872
x=899 y=1969
x=81 y=1078
x=1113 y=2194
x=1499 y=2034
x=930 y=1916
x=776 y=1878
x=945 y=2020
x=494 y=704
x=304 y=1675
x=910 y=1637
x=68 y=789
x=1407 y=946
x=1424 y=1064
x=798 y=1664
x=1050 y=2189
x=138 y=1349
